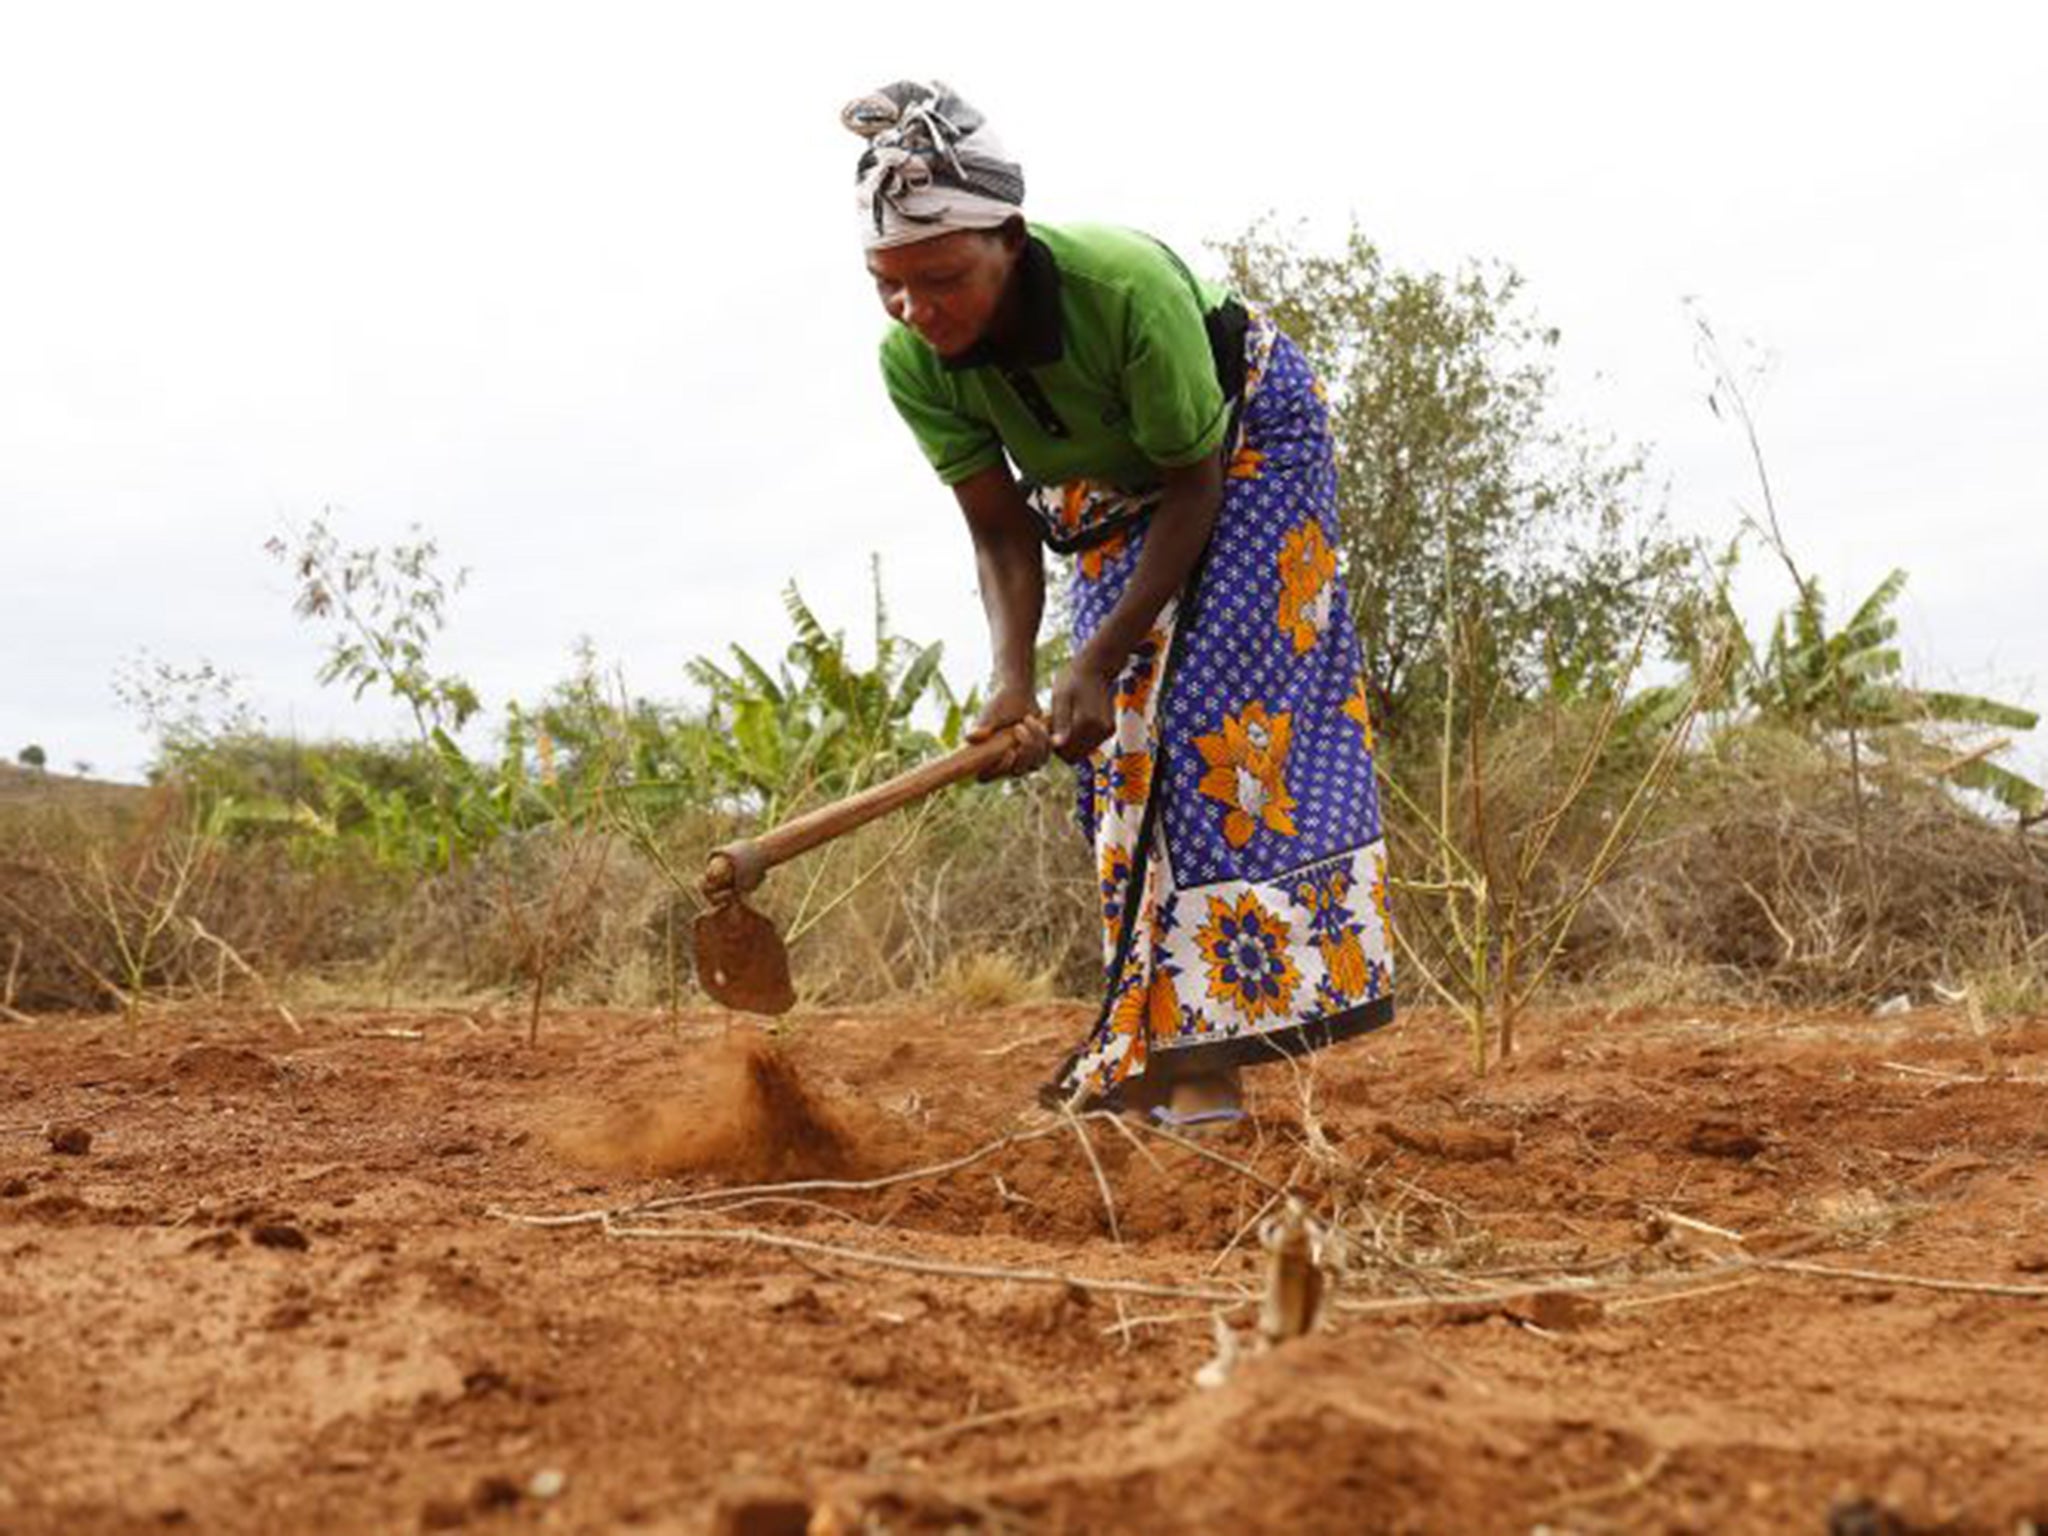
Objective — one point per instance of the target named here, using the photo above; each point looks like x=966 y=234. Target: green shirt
x=1109 y=376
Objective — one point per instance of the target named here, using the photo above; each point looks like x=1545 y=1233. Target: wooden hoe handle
x=752 y=859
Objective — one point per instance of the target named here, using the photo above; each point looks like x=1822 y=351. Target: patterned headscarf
x=931 y=166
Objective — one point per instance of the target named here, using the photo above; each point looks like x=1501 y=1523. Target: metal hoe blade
x=741 y=961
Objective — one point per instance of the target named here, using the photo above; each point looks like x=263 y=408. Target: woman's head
x=932 y=166
x=950 y=287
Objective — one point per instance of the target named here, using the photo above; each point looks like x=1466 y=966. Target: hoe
x=741 y=960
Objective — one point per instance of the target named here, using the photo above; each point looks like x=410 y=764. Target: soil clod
x=1457 y=1143
x=219 y=1067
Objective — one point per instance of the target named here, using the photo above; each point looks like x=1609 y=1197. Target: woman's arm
x=1083 y=708
x=1010 y=565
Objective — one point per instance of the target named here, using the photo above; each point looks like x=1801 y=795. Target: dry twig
x=1929 y=1072
x=976 y=1421
x=1887 y=1277
x=796 y=1186
x=48 y=1123
x=1187 y=1144
x=1242 y=1233
x=1691 y=1293
x=1692 y=1225
x=1117 y=1122
x=757 y=1237
x=1632 y=1483
x=794 y=1202
x=1101 y=1179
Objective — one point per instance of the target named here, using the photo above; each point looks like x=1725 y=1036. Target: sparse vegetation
x=1786 y=817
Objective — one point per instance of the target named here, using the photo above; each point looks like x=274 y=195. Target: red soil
x=271 y=1293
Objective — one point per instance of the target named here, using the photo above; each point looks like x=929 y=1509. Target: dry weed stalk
x=10 y=987
x=122 y=916
x=1073 y=1120
x=228 y=956
x=1492 y=908
x=545 y=929
x=1293 y=1299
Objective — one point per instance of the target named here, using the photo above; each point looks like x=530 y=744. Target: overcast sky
x=578 y=289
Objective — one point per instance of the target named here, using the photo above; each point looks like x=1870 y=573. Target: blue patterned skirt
x=1234 y=813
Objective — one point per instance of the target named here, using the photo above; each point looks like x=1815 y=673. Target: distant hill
x=18 y=785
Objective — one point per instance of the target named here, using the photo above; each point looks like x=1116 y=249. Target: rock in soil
x=71 y=1141
x=761 y=1512
x=495 y=1492
x=548 y=1483
x=1558 y=1311
x=1720 y=1136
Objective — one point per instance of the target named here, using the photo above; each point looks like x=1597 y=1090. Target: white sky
x=578 y=288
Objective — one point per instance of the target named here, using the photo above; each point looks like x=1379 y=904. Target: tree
x=1462 y=501
x=33 y=757
x=190 y=710
x=385 y=606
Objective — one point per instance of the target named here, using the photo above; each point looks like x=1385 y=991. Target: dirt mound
x=221 y=1067
x=1337 y=1435
x=1327 y=1434
x=749 y=1116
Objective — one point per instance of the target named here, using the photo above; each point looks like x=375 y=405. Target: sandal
x=1175 y=1120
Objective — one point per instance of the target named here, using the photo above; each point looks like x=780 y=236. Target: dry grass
x=1747 y=889
x=990 y=979
x=1754 y=875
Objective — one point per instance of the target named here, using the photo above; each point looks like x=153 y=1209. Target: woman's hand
x=1083 y=710
x=1014 y=710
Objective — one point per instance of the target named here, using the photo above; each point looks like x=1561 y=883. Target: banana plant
x=1849 y=682
x=818 y=723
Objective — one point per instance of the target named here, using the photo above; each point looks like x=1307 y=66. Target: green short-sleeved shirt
x=1109 y=377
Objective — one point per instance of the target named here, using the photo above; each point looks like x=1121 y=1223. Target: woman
x=1078 y=387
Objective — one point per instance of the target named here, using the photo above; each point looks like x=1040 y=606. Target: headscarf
x=931 y=166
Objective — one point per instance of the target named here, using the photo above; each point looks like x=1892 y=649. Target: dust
x=748 y=1115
